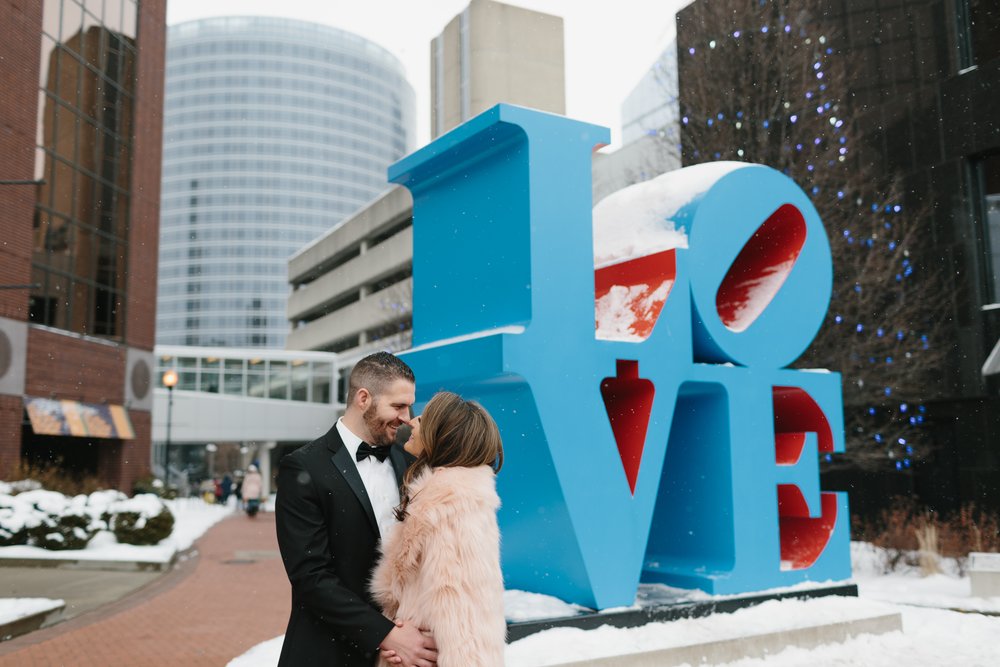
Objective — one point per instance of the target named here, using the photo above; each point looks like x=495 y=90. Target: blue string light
x=836 y=138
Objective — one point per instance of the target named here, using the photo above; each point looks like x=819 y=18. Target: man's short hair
x=376 y=372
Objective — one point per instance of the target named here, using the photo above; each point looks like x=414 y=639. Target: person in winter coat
x=253 y=485
x=227 y=488
x=440 y=569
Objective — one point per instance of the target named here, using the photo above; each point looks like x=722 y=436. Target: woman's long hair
x=455 y=433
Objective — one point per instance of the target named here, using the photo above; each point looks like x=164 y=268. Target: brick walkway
x=208 y=610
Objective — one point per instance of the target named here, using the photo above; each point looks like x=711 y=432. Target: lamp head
x=170 y=379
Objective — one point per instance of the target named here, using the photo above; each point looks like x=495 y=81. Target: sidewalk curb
x=29 y=623
x=88 y=564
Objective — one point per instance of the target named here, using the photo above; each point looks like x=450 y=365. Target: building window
x=87 y=87
x=989 y=169
x=983 y=17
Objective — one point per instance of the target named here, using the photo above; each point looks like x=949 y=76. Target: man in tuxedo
x=335 y=501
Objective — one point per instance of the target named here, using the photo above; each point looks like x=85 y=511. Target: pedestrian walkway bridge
x=244 y=395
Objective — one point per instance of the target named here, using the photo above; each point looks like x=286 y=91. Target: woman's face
x=415 y=445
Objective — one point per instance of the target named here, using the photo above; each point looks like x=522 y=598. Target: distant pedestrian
x=253 y=486
x=227 y=488
x=207 y=489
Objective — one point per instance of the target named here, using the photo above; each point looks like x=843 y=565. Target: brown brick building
x=81 y=88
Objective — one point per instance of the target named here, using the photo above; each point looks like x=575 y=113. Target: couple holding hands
x=393 y=553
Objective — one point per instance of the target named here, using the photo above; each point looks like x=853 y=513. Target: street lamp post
x=211 y=448
x=169 y=381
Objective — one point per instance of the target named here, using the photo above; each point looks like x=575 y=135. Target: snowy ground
x=932 y=633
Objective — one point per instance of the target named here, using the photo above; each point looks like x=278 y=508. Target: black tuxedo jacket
x=328 y=539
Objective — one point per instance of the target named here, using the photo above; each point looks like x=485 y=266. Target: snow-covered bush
x=142 y=520
x=148 y=483
x=13 y=524
x=51 y=520
x=64 y=532
x=21 y=485
x=47 y=519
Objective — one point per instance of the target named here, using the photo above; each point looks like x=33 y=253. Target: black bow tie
x=366 y=450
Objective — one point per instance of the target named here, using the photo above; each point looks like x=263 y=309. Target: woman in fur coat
x=440 y=568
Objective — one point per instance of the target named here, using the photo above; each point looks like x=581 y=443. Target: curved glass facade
x=275 y=131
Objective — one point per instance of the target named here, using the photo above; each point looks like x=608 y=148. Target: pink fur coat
x=440 y=568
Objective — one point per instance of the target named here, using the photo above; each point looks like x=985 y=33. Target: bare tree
x=395 y=329
x=770 y=83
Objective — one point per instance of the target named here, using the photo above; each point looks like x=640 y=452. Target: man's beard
x=377 y=428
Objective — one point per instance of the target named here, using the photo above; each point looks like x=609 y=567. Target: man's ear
x=363 y=398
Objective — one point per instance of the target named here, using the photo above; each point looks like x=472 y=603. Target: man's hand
x=406 y=645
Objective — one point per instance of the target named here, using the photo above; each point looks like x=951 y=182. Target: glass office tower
x=275 y=131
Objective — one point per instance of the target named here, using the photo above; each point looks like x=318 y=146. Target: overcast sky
x=609 y=44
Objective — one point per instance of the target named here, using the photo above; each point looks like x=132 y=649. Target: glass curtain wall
x=84 y=158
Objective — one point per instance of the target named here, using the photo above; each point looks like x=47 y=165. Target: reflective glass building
x=275 y=131
x=80 y=122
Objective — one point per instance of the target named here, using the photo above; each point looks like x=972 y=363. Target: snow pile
x=646 y=218
x=524 y=606
x=262 y=655
x=905 y=585
x=13 y=609
x=193 y=516
x=49 y=518
x=146 y=505
x=560 y=645
x=11 y=488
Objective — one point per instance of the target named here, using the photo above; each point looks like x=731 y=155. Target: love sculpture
x=669 y=444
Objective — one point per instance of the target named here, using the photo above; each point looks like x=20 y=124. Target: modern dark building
x=925 y=84
x=80 y=144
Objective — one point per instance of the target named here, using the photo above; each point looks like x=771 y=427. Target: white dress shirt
x=379 y=480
